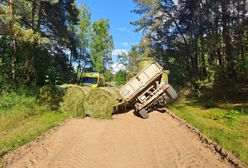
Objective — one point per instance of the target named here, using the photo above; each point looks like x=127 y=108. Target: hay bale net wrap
x=50 y=96
x=73 y=100
x=100 y=102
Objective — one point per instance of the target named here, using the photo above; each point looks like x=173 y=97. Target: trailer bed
x=140 y=81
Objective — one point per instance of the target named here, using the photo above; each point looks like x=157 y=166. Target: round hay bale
x=50 y=96
x=73 y=100
x=100 y=102
x=144 y=62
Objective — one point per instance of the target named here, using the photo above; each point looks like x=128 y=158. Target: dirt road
x=124 y=142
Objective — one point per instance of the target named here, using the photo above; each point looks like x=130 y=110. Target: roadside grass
x=22 y=120
x=225 y=123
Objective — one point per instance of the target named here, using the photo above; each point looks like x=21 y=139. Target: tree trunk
x=33 y=13
x=196 y=62
x=13 y=64
x=31 y=69
x=220 y=58
x=203 y=62
x=39 y=15
x=244 y=12
x=227 y=39
x=13 y=61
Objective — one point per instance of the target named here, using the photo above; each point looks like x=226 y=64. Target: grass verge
x=225 y=123
x=22 y=120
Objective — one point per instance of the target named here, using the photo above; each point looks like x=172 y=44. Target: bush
x=209 y=104
x=120 y=77
x=9 y=100
x=231 y=117
x=22 y=96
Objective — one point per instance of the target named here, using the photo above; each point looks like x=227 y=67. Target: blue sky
x=119 y=14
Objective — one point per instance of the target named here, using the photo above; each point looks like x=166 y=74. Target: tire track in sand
x=126 y=141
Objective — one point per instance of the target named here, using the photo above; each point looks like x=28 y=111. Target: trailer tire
x=171 y=92
x=167 y=99
x=136 y=106
x=144 y=114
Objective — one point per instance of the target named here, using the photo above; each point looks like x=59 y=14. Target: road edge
x=212 y=145
x=6 y=157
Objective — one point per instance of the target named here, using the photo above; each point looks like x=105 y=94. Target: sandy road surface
x=125 y=142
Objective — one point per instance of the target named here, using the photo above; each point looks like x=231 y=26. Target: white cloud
x=117 y=67
x=124 y=44
x=117 y=52
x=122 y=29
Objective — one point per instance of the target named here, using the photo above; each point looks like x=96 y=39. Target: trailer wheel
x=172 y=93
x=136 y=106
x=167 y=99
x=143 y=113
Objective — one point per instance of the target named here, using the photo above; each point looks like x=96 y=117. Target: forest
x=54 y=38
x=200 y=41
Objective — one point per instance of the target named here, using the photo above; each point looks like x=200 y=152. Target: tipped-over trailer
x=146 y=90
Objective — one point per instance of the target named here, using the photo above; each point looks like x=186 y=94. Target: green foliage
x=41 y=37
x=108 y=76
x=197 y=88
x=84 y=35
x=35 y=41
x=120 y=77
x=84 y=26
x=130 y=59
x=209 y=104
x=193 y=43
x=23 y=95
x=9 y=100
x=242 y=66
x=230 y=116
x=101 y=46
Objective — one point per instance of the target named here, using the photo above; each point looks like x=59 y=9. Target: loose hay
x=73 y=100
x=99 y=103
x=50 y=96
